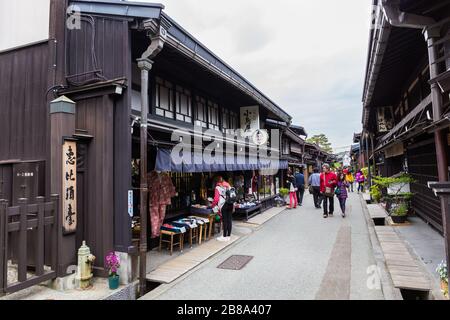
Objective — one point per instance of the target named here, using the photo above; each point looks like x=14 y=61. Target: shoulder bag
x=329 y=192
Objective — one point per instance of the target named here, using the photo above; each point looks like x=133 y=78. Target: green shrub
x=400 y=211
x=375 y=193
x=365 y=172
x=284 y=192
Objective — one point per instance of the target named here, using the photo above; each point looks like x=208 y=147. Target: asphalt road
x=297 y=255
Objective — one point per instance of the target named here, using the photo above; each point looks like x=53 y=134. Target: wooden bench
x=404 y=269
x=377 y=214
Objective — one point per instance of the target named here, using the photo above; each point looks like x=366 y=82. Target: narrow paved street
x=297 y=255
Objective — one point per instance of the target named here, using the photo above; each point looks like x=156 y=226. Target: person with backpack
x=360 y=179
x=225 y=198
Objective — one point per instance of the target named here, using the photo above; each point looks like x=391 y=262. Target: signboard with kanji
x=69 y=196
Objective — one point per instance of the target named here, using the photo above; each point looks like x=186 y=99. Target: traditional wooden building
x=74 y=123
x=406 y=99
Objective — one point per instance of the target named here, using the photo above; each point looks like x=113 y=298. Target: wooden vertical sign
x=69 y=196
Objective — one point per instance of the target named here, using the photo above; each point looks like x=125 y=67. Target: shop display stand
x=250 y=212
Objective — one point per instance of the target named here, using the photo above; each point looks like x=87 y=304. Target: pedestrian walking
x=341 y=191
x=300 y=183
x=293 y=201
x=360 y=179
x=225 y=208
x=328 y=181
x=350 y=179
x=314 y=184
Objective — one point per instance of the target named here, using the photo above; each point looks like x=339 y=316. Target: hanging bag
x=337 y=191
x=329 y=192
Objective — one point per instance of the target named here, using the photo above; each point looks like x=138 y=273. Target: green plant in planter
x=442 y=270
x=365 y=172
x=400 y=211
x=284 y=192
x=376 y=193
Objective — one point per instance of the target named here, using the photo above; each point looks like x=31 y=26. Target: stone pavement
x=297 y=255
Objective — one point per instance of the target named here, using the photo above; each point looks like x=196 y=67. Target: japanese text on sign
x=69 y=196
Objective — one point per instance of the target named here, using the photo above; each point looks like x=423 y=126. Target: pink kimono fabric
x=161 y=192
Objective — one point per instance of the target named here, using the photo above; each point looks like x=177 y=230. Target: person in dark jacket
x=300 y=183
x=314 y=182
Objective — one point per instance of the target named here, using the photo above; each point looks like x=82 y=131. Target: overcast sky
x=306 y=55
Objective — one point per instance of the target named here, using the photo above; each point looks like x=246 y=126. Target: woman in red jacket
x=328 y=182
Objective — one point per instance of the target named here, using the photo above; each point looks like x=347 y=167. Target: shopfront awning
x=196 y=163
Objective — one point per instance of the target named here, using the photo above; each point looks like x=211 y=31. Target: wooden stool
x=193 y=235
x=170 y=242
x=205 y=231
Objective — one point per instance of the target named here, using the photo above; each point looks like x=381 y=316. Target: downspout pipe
x=145 y=65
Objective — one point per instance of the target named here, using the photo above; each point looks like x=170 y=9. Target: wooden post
x=22 y=263
x=56 y=228
x=3 y=248
x=40 y=237
x=145 y=65
x=431 y=36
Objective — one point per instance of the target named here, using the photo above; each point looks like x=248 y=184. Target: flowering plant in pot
x=442 y=270
x=113 y=264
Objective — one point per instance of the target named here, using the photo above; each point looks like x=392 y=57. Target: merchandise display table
x=208 y=214
x=249 y=212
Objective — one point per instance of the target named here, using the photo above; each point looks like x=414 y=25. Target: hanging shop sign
x=250 y=120
x=69 y=197
x=385 y=119
x=395 y=150
x=130 y=203
x=260 y=137
x=347 y=160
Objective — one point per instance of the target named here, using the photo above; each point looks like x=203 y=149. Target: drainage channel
x=415 y=294
x=150 y=286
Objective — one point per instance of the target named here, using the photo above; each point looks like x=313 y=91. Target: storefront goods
x=161 y=191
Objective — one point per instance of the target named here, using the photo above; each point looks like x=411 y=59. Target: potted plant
x=284 y=193
x=399 y=213
x=113 y=264
x=442 y=270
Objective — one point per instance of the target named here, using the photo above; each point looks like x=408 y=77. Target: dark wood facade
x=406 y=102
x=95 y=67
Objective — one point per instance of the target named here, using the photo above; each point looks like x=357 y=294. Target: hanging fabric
x=161 y=191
